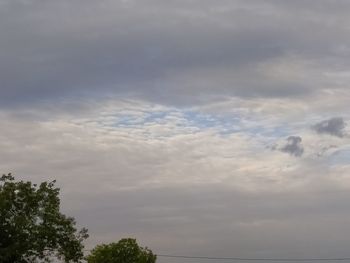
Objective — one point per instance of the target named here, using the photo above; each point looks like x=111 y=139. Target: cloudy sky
x=200 y=127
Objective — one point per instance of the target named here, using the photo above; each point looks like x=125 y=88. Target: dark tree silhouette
x=32 y=227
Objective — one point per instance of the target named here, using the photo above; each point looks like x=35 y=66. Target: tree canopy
x=32 y=228
x=125 y=251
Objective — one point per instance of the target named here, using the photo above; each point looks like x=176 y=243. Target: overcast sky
x=199 y=127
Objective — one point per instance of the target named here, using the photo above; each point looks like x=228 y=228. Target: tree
x=32 y=228
x=125 y=251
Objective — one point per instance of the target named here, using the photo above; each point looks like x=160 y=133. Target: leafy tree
x=32 y=228
x=125 y=251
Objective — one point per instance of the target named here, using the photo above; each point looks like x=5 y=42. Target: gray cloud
x=224 y=220
x=293 y=146
x=334 y=126
x=76 y=78
x=83 y=48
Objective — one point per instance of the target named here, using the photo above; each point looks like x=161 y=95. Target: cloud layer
x=171 y=52
x=158 y=120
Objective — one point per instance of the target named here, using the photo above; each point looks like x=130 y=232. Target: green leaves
x=31 y=225
x=32 y=228
x=125 y=251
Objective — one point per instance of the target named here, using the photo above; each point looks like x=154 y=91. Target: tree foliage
x=32 y=228
x=125 y=251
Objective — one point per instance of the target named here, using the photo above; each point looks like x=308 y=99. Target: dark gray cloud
x=333 y=126
x=61 y=49
x=293 y=146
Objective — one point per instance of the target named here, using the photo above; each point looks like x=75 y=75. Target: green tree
x=125 y=251
x=32 y=228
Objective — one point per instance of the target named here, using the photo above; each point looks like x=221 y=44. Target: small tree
x=32 y=228
x=125 y=251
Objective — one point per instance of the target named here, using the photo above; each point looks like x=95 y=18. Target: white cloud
x=163 y=173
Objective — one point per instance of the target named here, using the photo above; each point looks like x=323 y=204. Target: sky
x=199 y=127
